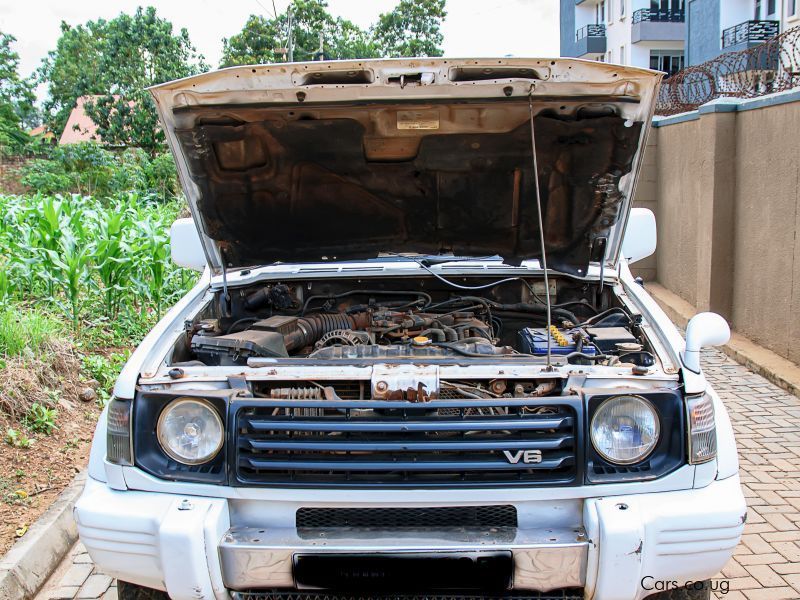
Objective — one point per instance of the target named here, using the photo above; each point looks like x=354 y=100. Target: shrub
x=105 y=370
x=89 y=168
x=40 y=419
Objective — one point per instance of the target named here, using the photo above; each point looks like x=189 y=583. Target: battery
x=534 y=341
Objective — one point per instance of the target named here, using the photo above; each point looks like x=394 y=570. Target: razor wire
x=772 y=66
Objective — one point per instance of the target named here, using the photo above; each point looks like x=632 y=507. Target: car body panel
x=289 y=162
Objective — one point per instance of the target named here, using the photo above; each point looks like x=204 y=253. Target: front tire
x=683 y=593
x=131 y=591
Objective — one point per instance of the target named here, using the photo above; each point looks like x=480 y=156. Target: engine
x=286 y=321
x=353 y=333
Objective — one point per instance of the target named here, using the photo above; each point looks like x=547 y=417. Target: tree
x=254 y=44
x=261 y=37
x=72 y=70
x=115 y=61
x=16 y=93
x=413 y=28
x=138 y=51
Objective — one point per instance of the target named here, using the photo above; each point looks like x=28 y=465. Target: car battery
x=534 y=341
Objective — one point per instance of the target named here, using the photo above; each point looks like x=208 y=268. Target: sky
x=472 y=28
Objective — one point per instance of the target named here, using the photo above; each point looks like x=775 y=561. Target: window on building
x=771 y=8
x=622 y=8
x=622 y=55
x=666 y=6
x=611 y=56
x=757 y=10
x=610 y=10
x=791 y=8
x=601 y=13
x=669 y=61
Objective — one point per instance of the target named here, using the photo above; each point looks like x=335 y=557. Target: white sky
x=472 y=28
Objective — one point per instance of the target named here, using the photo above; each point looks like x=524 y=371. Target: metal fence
x=590 y=31
x=773 y=66
x=647 y=15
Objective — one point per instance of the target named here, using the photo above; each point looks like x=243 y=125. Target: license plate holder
x=406 y=571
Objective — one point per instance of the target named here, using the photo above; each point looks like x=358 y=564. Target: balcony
x=748 y=34
x=590 y=39
x=649 y=25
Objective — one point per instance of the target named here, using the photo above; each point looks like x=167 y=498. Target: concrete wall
x=725 y=183
x=766 y=265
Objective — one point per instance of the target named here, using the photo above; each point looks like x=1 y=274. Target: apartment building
x=717 y=26
x=643 y=33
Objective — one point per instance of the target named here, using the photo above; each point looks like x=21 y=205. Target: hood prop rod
x=225 y=293
x=541 y=234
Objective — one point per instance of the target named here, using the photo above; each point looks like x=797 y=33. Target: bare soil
x=31 y=478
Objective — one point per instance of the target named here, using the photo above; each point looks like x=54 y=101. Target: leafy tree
x=16 y=99
x=72 y=70
x=12 y=138
x=261 y=36
x=413 y=28
x=254 y=44
x=115 y=61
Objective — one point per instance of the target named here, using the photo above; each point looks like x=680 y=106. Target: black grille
x=567 y=594
x=440 y=516
x=391 y=443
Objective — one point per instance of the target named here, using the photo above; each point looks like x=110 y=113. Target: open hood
x=344 y=160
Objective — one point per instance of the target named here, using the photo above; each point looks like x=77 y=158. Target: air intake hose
x=310 y=329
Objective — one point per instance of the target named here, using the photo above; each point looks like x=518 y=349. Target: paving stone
x=77 y=574
x=111 y=594
x=772 y=593
x=766 y=576
x=95 y=586
x=63 y=592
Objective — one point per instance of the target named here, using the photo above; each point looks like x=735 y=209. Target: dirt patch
x=31 y=478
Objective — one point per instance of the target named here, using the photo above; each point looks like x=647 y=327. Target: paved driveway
x=767 y=562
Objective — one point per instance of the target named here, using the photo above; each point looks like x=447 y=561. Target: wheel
x=131 y=591
x=694 y=592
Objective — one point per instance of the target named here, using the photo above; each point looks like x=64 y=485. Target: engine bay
x=348 y=319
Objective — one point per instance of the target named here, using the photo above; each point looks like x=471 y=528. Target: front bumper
x=187 y=546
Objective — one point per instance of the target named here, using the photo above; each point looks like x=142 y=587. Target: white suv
x=416 y=364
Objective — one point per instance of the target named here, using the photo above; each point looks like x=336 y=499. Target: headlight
x=190 y=431
x=702 y=429
x=625 y=429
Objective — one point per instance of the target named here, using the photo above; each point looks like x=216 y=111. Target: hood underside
x=342 y=161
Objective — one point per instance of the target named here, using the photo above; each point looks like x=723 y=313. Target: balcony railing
x=648 y=15
x=750 y=31
x=590 y=31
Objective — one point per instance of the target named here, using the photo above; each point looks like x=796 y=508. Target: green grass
x=23 y=328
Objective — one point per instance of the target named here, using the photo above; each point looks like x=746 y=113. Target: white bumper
x=186 y=545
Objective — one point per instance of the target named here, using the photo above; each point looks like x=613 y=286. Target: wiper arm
x=429 y=261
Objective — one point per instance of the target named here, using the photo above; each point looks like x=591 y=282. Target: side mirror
x=186 y=247
x=640 y=235
x=704 y=329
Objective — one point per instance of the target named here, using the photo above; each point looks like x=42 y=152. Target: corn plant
x=91 y=257
x=70 y=271
x=112 y=256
